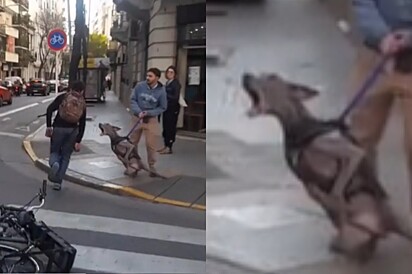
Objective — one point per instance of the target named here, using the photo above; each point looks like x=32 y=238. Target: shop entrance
x=195 y=95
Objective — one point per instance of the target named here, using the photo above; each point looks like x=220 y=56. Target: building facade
x=103 y=19
x=159 y=33
x=8 y=36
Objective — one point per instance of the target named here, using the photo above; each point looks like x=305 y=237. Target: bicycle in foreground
x=29 y=246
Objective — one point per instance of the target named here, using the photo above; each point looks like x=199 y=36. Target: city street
x=112 y=234
x=259 y=219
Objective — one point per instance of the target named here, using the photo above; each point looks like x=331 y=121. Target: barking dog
x=125 y=151
x=331 y=165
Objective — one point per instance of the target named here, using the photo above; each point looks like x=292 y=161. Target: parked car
x=15 y=85
x=37 y=86
x=5 y=94
x=51 y=84
x=64 y=85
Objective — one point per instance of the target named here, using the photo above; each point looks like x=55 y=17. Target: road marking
x=9 y=134
x=24 y=128
x=6 y=119
x=118 y=261
x=18 y=109
x=114 y=261
x=122 y=227
x=47 y=100
x=36 y=122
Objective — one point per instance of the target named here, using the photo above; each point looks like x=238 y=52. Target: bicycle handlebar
x=22 y=211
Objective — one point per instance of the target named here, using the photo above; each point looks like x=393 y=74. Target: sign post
x=57 y=41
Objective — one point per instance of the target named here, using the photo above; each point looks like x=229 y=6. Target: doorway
x=195 y=94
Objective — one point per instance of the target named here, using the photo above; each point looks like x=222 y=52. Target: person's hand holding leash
x=49 y=132
x=77 y=147
x=142 y=114
x=395 y=41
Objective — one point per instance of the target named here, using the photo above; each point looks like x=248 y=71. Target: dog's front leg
x=350 y=157
x=327 y=201
x=350 y=164
x=347 y=154
x=129 y=150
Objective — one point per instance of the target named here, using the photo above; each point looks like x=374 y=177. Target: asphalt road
x=112 y=234
x=259 y=218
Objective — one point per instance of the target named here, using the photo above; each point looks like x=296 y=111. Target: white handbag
x=182 y=101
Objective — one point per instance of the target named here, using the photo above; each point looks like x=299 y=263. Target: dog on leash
x=125 y=151
x=331 y=165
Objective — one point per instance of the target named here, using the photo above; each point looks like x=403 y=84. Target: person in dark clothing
x=66 y=136
x=173 y=108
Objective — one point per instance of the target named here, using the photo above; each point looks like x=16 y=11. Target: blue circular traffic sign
x=57 y=39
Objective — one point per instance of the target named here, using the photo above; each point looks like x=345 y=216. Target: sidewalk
x=96 y=166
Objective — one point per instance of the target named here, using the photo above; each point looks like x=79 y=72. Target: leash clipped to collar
x=369 y=82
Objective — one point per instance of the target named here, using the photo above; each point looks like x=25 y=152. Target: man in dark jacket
x=65 y=137
x=385 y=26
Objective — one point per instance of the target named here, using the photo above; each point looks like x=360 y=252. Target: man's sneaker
x=53 y=171
x=152 y=171
x=57 y=186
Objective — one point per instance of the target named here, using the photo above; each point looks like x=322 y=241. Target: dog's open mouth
x=102 y=133
x=256 y=107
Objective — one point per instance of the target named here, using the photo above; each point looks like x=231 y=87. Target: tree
x=97 y=45
x=45 y=21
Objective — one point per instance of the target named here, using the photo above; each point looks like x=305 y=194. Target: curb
x=98 y=184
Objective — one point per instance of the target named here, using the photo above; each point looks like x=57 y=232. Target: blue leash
x=369 y=82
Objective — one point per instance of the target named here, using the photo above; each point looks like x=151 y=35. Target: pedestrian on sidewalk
x=109 y=82
x=385 y=26
x=148 y=100
x=172 y=112
x=67 y=130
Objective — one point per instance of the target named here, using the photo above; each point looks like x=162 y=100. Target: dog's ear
x=116 y=128
x=302 y=92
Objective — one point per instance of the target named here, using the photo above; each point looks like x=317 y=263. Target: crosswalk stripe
x=114 y=261
x=122 y=227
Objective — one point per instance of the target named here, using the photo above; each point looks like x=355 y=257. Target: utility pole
x=79 y=36
x=69 y=24
x=89 y=11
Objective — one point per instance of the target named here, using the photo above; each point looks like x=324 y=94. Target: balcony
x=22 y=21
x=10 y=31
x=25 y=57
x=23 y=3
x=133 y=6
x=135 y=9
x=120 y=30
x=24 y=39
x=12 y=57
x=10 y=6
x=3 y=31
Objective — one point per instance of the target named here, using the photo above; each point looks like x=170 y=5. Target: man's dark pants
x=61 y=149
